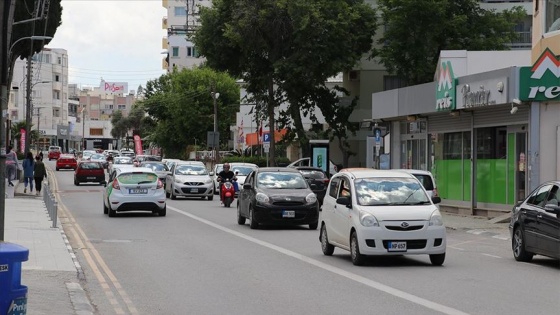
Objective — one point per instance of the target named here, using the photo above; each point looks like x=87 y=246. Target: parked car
x=89 y=172
x=158 y=167
x=54 y=152
x=66 y=161
x=317 y=180
x=134 y=189
x=307 y=162
x=535 y=224
x=242 y=170
x=376 y=212
x=189 y=179
x=278 y=196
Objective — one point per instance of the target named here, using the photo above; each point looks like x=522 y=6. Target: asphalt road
x=197 y=260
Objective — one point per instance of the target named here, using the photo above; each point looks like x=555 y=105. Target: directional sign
x=266 y=137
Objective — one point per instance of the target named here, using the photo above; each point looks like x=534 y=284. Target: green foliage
x=181 y=108
x=284 y=50
x=417 y=30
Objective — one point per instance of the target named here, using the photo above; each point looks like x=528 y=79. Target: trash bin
x=13 y=295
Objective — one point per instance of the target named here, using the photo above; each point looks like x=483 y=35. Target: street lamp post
x=83 y=129
x=29 y=106
x=216 y=146
x=3 y=109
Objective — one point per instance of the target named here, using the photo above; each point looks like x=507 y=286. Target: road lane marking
x=341 y=272
x=489 y=255
x=88 y=250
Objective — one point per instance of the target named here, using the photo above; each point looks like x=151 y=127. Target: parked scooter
x=227 y=192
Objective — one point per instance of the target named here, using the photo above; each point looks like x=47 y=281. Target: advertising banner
x=114 y=87
x=138 y=145
x=22 y=140
x=541 y=82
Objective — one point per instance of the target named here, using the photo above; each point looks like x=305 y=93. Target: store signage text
x=476 y=98
x=541 y=82
x=445 y=87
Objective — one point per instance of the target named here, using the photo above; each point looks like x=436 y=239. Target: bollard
x=13 y=295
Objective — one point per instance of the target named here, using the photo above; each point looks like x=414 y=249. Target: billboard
x=114 y=87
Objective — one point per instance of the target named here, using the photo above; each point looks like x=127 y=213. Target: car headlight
x=178 y=180
x=435 y=219
x=367 y=219
x=262 y=198
x=311 y=198
x=208 y=181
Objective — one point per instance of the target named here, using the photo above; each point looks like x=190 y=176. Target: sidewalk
x=51 y=272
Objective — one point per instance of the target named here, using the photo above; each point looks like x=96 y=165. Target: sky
x=117 y=40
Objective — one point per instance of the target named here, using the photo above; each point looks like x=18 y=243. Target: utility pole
x=28 y=109
x=39 y=128
x=216 y=138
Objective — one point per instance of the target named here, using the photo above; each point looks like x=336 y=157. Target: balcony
x=524 y=41
x=165 y=43
x=177 y=30
x=164 y=23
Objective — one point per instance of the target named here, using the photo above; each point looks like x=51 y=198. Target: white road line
x=494 y=256
x=370 y=283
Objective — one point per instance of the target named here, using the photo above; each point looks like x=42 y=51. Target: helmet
x=226 y=165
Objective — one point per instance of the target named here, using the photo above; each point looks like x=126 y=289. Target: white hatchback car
x=375 y=212
x=189 y=179
x=134 y=189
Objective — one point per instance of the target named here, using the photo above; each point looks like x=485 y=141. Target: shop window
x=552 y=15
x=453 y=146
x=413 y=127
x=491 y=143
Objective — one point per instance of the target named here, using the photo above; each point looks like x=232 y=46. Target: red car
x=66 y=161
x=88 y=172
x=54 y=152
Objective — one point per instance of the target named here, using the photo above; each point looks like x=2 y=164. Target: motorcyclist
x=225 y=174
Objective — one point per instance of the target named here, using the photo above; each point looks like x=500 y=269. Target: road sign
x=266 y=147
x=213 y=139
x=266 y=137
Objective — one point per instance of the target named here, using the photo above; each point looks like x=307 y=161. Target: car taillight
x=159 y=184
x=116 y=184
x=326 y=181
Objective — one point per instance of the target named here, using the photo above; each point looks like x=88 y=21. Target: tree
x=417 y=30
x=283 y=50
x=120 y=125
x=180 y=105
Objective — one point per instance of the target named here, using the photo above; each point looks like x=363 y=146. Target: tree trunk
x=295 y=114
x=271 y=106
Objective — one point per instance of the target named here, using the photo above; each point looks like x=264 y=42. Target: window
x=539 y=196
x=552 y=16
x=175 y=52
x=121 y=106
x=180 y=11
x=333 y=189
x=56 y=95
x=56 y=78
x=192 y=52
x=491 y=143
x=345 y=188
x=96 y=131
x=59 y=60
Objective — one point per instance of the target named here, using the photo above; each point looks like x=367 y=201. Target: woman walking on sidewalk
x=11 y=165
x=28 y=168
x=40 y=172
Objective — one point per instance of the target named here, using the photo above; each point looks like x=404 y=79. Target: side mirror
x=552 y=208
x=169 y=173
x=436 y=200
x=344 y=201
x=247 y=186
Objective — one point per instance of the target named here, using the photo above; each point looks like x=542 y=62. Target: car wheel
x=172 y=195
x=163 y=212
x=240 y=218
x=211 y=197
x=105 y=209
x=76 y=182
x=58 y=169
x=253 y=224
x=518 y=246
x=313 y=226
x=327 y=248
x=166 y=194
x=437 y=259
x=357 y=258
x=112 y=213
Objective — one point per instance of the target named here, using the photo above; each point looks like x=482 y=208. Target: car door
x=549 y=226
x=244 y=195
x=169 y=178
x=528 y=215
x=342 y=214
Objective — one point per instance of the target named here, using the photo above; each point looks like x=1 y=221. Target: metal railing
x=50 y=201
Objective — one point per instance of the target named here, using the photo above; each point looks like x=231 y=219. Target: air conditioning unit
x=354 y=75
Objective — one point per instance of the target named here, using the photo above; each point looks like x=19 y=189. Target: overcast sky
x=117 y=40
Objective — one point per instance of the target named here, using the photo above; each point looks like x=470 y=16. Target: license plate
x=137 y=191
x=91 y=177
x=288 y=214
x=396 y=247
x=67 y=165
x=194 y=191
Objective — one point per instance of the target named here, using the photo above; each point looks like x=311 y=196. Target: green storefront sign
x=541 y=82
x=445 y=87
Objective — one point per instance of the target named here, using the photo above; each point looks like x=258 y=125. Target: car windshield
x=157 y=167
x=97 y=157
x=90 y=166
x=122 y=160
x=389 y=191
x=219 y=168
x=242 y=170
x=54 y=148
x=314 y=174
x=190 y=170
x=281 y=180
x=137 y=178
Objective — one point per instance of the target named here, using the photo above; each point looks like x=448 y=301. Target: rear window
x=66 y=160
x=426 y=181
x=314 y=174
x=137 y=178
x=54 y=148
x=90 y=166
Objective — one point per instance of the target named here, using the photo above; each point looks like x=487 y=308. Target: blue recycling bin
x=13 y=295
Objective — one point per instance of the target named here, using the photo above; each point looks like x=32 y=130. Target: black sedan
x=277 y=196
x=317 y=179
x=535 y=224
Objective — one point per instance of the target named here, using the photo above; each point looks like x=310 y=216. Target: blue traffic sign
x=266 y=137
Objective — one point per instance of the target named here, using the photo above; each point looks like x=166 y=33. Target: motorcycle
x=227 y=192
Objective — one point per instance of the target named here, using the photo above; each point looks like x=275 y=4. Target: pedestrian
x=41 y=155
x=40 y=173
x=11 y=165
x=28 y=169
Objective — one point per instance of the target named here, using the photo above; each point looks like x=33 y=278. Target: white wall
x=549 y=142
